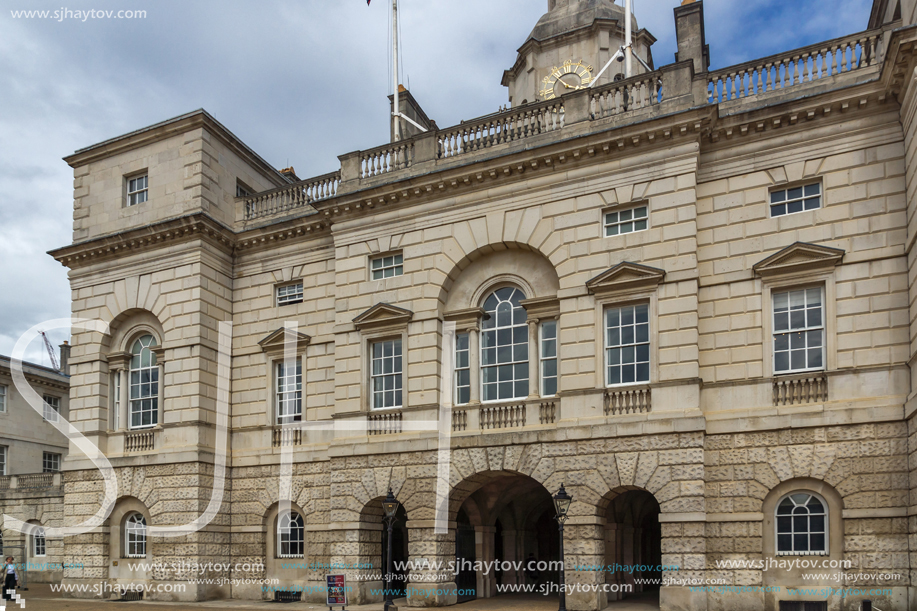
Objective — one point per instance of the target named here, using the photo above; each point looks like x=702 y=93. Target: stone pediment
x=625 y=276
x=275 y=342
x=381 y=315
x=799 y=257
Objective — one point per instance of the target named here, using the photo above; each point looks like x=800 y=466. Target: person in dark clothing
x=531 y=568
x=10 y=578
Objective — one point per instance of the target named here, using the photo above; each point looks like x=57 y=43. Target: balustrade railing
x=502 y=417
x=143 y=441
x=628 y=401
x=286 y=436
x=5 y=482
x=37 y=480
x=795 y=68
x=796 y=390
x=547 y=413
x=631 y=94
x=516 y=124
x=291 y=197
x=386 y=159
x=459 y=421
x=384 y=424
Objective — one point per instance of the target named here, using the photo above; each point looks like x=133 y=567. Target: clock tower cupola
x=568 y=48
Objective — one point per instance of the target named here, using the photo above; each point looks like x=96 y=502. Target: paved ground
x=40 y=598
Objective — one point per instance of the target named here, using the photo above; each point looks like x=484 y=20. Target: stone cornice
x=172 y=127
x=172 y=231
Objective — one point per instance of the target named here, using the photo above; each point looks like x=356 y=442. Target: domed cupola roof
x=569 y=15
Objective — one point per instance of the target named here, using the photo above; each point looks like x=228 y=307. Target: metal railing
x=793 y=68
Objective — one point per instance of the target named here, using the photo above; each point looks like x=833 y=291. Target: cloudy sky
x=300 y=81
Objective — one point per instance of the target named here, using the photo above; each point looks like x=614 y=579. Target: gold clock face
x=569 y=77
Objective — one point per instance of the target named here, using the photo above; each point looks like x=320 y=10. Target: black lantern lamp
x=562 y=502
x=390 y=506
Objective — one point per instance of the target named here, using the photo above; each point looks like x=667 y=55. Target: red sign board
x=337 y=589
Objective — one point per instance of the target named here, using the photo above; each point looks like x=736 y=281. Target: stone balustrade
x=797 y=390
x=291 y=197
x=632 y=94
x=628 y=400
x=794 y=68
x=386 y=423
x=31 y=481
x=286 y=436
x=386 y=159
x=515 y=124
x=142 y=441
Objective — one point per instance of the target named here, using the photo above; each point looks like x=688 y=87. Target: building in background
x=685 y=294
x=31 y=454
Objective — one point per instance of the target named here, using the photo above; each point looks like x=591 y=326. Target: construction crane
x=50 y=349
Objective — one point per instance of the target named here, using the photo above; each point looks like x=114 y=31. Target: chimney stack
x=65 y=358
x=689 y=30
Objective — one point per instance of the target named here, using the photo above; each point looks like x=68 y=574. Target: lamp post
x=562 y=502
x=390 y=506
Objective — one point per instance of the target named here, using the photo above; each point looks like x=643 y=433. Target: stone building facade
x=685 y=295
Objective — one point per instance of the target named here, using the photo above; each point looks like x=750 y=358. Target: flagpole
x=396 y=126
x=628 y=40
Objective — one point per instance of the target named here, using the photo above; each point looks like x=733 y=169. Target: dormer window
x=137 y=190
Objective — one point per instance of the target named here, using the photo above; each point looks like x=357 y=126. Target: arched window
x=505 y=346
x=38 y=543
x=802 y=525
x=144 y=397
x=135 y=536
x=291 y=536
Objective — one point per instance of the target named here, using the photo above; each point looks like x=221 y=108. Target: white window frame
x=396 y=373
x=826 y=515
x=543 y=360
x=289 y=294
x=242 y=190
x=115 y=400
x=484 y=366
x=635 y=344
x=806 y=196
x=804 y=330
x=462 y=366
x=283 y=395
x=135 y=536
x=386 y=266
x=138 y=383
x=632 y=224
x=4 y=394
x=4 y=459
x=51 y=408
x=39 y=543
x=287 y=524
x=50 y=462
x=136 y=193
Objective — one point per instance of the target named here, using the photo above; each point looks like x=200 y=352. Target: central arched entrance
x=503 y=521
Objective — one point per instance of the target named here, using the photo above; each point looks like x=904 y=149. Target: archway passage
x=503 y=521
x=633 y=545
x=399 y=552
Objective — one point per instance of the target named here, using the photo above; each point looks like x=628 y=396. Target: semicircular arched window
x=802 y=525
x=135 y=536
x=291 y=536
x=505 y=346
x=144 y=381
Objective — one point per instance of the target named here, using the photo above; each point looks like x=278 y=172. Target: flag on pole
x=368 y=1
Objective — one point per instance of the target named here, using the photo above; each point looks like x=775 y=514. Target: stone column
x=430 y=587
x=484 y=544
x=474 y=363
x=584 y=549
x=534 y=390
x=509 y=555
